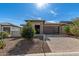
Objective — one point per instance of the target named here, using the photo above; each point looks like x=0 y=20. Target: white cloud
x=41 y=5
x=39 y=18
x=53 y=12
x=51 y=22
x=8 y=20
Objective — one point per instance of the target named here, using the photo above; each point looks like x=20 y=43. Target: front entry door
x=37 y=29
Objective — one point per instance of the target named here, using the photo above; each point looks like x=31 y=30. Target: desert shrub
x=74 y=27
x=75 y=22
x=74 y=30
x=2 y=44
x=3 y=35
x=27 y=31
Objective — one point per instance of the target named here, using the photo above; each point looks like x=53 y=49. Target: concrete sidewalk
x=56 y=54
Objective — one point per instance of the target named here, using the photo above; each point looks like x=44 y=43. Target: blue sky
x=18 y=12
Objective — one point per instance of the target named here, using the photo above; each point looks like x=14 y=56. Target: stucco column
x=60 y=29
x=41 y=29
x=0 y=27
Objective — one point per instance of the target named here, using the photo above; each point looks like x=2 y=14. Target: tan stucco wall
x=38 y=23
x=51 y=25
x=42 y=25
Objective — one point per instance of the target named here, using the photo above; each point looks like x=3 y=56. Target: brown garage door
x=51 y=30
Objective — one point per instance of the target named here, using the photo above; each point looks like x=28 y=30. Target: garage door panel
x=51 y=30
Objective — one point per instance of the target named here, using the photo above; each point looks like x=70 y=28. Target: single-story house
x=13 y=30
x=42 y=27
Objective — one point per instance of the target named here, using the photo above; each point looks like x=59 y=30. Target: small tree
x=28 y=31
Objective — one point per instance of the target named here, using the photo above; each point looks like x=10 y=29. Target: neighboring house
x=66 y=22
x=42 y=27
x=13 y=30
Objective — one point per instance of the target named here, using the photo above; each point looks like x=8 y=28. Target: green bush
x=3 y=35
x=27 y=31
x=2 y=44
x=67 y=29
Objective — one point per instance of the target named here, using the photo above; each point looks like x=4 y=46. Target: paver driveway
x=63 y=44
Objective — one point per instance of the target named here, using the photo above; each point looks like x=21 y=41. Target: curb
x=56 y=54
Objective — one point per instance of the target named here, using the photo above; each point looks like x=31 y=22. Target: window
x=6 y=29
